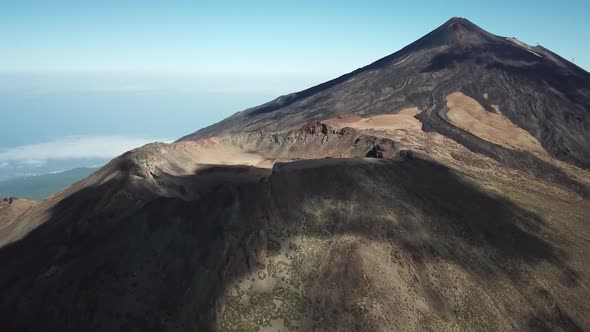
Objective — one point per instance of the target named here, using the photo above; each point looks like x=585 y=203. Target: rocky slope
x=441 y=188
x=534 y=88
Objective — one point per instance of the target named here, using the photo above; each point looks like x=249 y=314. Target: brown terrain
x=440 y=188
x=466 y=113
x=11 y=208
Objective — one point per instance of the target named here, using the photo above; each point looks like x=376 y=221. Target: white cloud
x=30 y=163
x=67 y=148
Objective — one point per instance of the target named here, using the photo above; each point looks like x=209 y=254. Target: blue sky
x=259 y=37
x=146 y=70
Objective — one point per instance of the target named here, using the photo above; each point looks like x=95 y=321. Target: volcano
x=443 y=187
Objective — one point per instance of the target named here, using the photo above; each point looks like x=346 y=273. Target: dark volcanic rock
x=317 y=127
x=432 y=235
x=536 y=89
x=406 y=154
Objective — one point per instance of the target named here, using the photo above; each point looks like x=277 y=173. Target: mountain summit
x=458 y=31
x=535 y=89
x=443 y=187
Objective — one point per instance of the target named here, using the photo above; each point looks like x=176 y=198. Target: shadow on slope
x=424 y=196
x=107 y=261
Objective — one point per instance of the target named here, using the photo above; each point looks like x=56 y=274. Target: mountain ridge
x=444 y=189
x=506 y=61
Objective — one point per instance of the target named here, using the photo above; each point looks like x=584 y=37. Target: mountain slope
x=537 y=90
x=441 y=188
x=413 y=240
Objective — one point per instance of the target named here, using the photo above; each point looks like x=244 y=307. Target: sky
x=72 y=72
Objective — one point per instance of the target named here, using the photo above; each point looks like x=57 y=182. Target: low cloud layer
x=84 y=147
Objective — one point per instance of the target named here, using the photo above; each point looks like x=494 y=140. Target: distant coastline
x=42 y=186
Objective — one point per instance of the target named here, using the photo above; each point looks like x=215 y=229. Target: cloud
x=31 y=163
x=83 y=147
